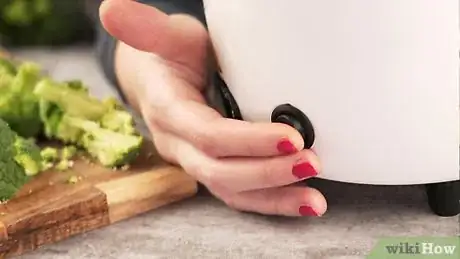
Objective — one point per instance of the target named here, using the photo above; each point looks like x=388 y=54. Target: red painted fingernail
x=307 y=211
x=304 y=170
x=286 y=147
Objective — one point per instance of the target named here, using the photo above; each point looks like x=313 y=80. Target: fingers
x=233 y=175
x=284 y=201
x=216 y=136
x=178 y=38
x=133 y=23
x=243 y=174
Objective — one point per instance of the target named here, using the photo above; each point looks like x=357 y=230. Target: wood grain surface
x=50 y=208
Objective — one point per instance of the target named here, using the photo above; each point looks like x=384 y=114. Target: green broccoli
x=28 y=155
x=5 y=81
x=59 y=159
x=7 y=67
x=116 y=118
x=20 y=159
x=49 y=154
x=73 y=98
x=54 y=117
x=110 y=148
x=77 y=85
x=72 y=101
x=64 y=165
x=71 y=115
x=73 y=179
x=19 y=106
x=118 y=121
x=68 y=152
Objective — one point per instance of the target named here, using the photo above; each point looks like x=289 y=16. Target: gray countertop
x=202 y=227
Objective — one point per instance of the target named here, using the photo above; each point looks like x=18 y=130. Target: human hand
x=162 y=61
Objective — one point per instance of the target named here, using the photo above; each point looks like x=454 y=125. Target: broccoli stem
x=119 y=121
x=68 y=152
x=71 y=101
x=49 y=154
x=7 y=66
x=110 y=148
x=26 y=79
x=28 y=155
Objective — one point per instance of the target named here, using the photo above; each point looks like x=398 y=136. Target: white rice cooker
x=372 y=86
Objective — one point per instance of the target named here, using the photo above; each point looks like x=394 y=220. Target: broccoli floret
x=64 y=165
x=49 y=157
x=46 y=165
x=102 y=128
x=77 y=85
x=19 y=161
x=49 y=154
x=68 y=152
x=7 y=74
x=59 y=159
x=112 y=103
x=54 y=117
x=16 y=12
x=28 y=155
x=70 y=100
x=19 y=107
x=7 y=67
x=5 y=82
x=73 y=179
x=116 y=118
x=119 y=121
x=73 y=98
x=111 y=149
x=55 y=124
x=66 y=132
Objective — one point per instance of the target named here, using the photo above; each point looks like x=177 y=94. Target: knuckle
x=162 y=114
x=197 y=170
x=163 y=148
x=268 y=174
x=210 y=179
x=250 y=148
x=166 y=155
x=212 y=176
x=151 y=118
x=206 y=141
x=277 y=202
x=156 y=118
x=208 y=176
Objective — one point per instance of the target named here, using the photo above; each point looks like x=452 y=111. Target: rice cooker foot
x=444 y=198
x=290 y=115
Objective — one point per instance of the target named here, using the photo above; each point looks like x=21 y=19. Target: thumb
x=180 y=39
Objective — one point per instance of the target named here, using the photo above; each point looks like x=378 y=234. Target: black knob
x=295 y=118
x=230 y=106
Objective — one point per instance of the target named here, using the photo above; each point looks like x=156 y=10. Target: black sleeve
x=105 y=43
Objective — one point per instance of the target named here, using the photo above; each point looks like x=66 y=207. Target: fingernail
x=285 y=146
x=307 y=211
x=304 y=170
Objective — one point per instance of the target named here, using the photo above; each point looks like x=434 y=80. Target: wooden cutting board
x=50 y=209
